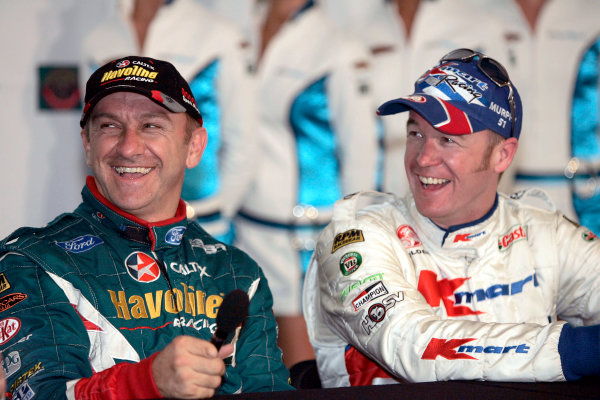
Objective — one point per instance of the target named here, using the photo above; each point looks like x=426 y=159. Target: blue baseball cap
x=459 y=97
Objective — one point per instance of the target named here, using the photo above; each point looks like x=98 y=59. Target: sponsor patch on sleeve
x=350 y=262
x=589 y=236
x=345 y=238
x=4 y=283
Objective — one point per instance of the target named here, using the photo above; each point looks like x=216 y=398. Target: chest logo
x=10 y=300
x=175 y=235
x=515 y=234
x=142 y=267
x=80 y=244
x=408 y=237
x=9 y=327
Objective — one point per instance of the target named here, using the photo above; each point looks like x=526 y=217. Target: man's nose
x=131 y=143
x=429 y=153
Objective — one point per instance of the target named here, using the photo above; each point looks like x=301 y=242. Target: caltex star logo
x=142 y=267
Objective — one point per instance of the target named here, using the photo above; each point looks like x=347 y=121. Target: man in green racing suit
x=119 y=298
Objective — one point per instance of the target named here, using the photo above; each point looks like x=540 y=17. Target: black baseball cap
x=156 y=79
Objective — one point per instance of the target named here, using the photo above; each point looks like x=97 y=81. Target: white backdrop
x=41 y=157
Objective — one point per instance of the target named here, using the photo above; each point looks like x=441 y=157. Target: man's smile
x=132 y=170
x=428 y=180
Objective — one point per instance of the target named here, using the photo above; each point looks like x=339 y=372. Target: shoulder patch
x=345 y=238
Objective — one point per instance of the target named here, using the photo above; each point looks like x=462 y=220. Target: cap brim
x=441 y=114
x=154 y=95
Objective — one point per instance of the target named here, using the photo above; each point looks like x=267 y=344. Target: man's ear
x=86 y=146
x=504 y=153
x=196 y=147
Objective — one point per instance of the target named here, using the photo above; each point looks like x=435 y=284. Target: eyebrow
x=159 y=114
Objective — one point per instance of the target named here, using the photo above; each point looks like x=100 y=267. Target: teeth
x=427 y=180
x=132 y=170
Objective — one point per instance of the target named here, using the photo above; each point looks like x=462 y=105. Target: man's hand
x=189 y=368
x=2 y=382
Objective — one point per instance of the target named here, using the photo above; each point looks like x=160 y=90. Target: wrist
x=579 y=350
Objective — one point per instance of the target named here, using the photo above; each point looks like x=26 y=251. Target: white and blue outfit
x=318 y=142
x=211 y=55
x=512 y=296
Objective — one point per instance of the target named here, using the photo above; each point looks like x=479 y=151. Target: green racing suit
x=87 y=302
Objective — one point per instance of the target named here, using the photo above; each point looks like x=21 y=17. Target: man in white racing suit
x=454 y=281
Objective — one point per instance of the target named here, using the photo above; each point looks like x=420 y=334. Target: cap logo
x=135 y=71
x=504 y=113
x=188 y=98
x=158 y=80
x=457 y=82
x=416 y=99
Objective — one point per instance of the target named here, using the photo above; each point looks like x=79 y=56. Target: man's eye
x=447 y=139
x=415 y=134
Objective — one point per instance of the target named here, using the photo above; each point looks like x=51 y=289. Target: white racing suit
x=389 y=293
x=211 y=54
x=317 y=132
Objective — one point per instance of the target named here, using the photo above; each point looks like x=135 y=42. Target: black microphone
x=231 y=314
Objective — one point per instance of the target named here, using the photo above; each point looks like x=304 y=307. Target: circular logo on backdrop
x=142 y=267
x=350 y=262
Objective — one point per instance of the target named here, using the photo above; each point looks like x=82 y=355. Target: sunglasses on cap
x=493 y=70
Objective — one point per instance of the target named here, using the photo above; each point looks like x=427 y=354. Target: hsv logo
x=514 y=235
x=9 y=327
x=408 y=236
x=376 y=313
x=434 y=291
x=142 y=267
x=122 y=64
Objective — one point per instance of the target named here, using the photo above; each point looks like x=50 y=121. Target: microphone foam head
x=233 y=310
